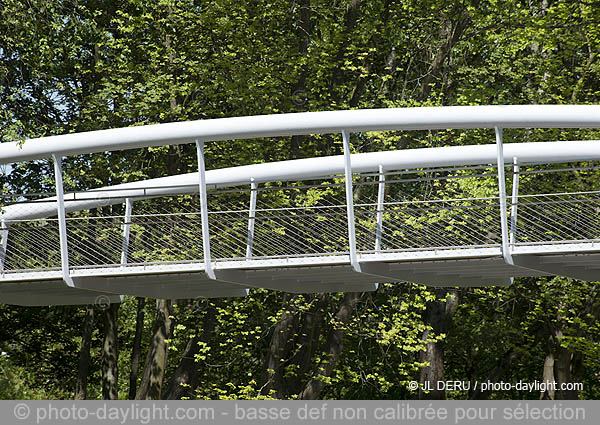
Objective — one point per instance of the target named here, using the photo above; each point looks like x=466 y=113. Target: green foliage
x=87 y=65
x=17 y=383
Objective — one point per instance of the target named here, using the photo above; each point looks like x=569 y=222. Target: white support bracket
x=251 y=218
x=514 y=203
x=380 y=199
x=350 y=202
x=506 y=252
x=62 y=221
x=3 y=245
x=126 y=231
x=208 y=269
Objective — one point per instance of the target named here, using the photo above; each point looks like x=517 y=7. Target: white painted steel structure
x=167 y=243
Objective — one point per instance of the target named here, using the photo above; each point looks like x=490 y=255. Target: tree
x=110 y=353
x=84 y=354
x=156 y=361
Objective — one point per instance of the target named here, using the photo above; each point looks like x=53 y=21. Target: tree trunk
x=451 y=33
x=333 y=348
x=548 y=377
x=281 y=341
x=504 y=364
x=307 y=342
x=84 y=354
x=495 y=374
x=110 y=354
x=137 y=347
x=350 y=20
x=433 y=356
x=156 y=360
x=562 y=369
x=438 y=315
x=184 y=381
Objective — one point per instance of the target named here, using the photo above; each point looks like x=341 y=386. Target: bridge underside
x=51 y=292
x=475 y=268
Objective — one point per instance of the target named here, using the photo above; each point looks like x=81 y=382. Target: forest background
x=72 y=66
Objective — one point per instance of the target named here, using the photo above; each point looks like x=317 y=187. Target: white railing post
x=251 y=218
x=3 y=244
x=502 y=197
x=126 y=231
x=350 y=202
x=204 y=209
x=514 y=202
x=62 y=221
x=380 y=199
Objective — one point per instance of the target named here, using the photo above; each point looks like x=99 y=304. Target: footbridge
x=474 y=215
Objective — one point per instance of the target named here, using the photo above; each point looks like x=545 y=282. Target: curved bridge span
x=451 y=216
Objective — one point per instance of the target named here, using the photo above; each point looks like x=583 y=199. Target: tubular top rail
x=424 y=118
x=528 y=153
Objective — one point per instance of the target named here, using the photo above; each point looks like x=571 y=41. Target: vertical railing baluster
x=514 y=203
x=350 y=202
x=62 y=221
x=502 y=198
x=380 y=199
x=3 y=245
x=251 y=219
x=126 y=231
x=204 y=209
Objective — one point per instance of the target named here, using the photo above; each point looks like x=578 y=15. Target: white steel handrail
x=325 y=122
x=540 y=152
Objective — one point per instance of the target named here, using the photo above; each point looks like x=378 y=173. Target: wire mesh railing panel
x=558 y=218
x=165 y=229
x=441 y=224
x=165 y=238
x=228 y=233
x=94 y=241
x=228 y=212
x=558 y=203
x=32 y=245
x=290 y=220
x=365 y=222
x=303 y=231
x=432 y=209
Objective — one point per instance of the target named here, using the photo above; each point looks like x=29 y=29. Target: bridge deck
x=472 y=267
